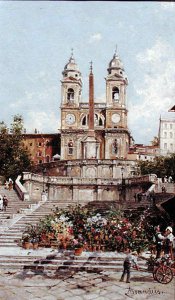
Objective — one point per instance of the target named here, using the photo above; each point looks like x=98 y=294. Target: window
x=39 y=153
x=171 y=126
x=39 y=144
x=165 y=126
x=165 y=134
x=98 y=120
x=171 y=147
x=171 y=135
x=115 y=94
x=84 y=121
x=165 y=146
x=70 y=95
x=114 y=147
x=70 y=148
x=30 y=144
x=47 y=158
x=40 y=161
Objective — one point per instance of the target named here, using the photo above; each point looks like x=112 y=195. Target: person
x=163 y=189
x=6 y=185
x=158 y=238
x=5 y=203
x=129 y=261
x=10 y=184
x=139 y=197
x=170 y=179
x=1 y=202
x=169 y=240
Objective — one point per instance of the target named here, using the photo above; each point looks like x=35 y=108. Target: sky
x=36 y=40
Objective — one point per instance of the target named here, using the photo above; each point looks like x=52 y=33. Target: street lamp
x=122 y=170
x=44 y=173
x=123 y=191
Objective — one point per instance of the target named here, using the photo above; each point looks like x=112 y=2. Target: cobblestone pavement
x=66 y=285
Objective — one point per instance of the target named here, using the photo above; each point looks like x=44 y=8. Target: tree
x=161 y=166
x=155 y=141
x=14 y=158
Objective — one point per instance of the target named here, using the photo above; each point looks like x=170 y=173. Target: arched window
x=84 y=120
x=115 y=94
x=114 y=147
x=70 y=94
x=98 y=120
x=70 y=147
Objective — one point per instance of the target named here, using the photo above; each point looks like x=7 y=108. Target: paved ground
x=81 y=286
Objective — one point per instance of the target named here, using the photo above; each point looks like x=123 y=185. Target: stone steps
x=70 y=262
x=14 y=234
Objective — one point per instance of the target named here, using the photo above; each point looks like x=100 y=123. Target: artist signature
x=150 y=291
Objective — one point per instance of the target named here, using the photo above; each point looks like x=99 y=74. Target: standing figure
x=159 y=238
x=6 y=185
x=10 y=184
x=129 y=261
x=168 y=245
x=5 y=203
x=163 y=189
x=1 y=202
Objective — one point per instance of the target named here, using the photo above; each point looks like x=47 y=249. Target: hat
x=134 y=253
x=157 y=227
x=170 y=229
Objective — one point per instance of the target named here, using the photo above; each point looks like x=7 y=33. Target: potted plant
x=78 y=245
x=26 y=241
x=35 y=242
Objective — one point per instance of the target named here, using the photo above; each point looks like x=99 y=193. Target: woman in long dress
x=1 y=202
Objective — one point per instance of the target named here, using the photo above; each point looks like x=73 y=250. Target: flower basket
x=27 y=245
x=78 y=251
x=35 y=245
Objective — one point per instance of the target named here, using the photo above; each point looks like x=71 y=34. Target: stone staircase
x=15 y=205
x=128 y=207
x=66 y=261
x=26 y=213
x=15 y=259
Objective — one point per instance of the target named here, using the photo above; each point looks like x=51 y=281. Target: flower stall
x=79 y=228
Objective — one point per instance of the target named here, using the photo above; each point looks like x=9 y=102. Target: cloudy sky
x=36 y=41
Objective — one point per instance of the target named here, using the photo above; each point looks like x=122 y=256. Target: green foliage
x=14 y=159
x=77 y=226
x=161 y=166
x=155 y=141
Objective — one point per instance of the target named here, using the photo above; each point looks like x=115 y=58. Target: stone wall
x=82 y=190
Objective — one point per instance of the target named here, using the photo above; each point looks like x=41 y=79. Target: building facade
x=167 y=136
x=41 y=147
x=143 y=152
x=94 y=130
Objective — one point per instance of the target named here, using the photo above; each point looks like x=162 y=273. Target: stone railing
x=21 y=191
x=86 y=181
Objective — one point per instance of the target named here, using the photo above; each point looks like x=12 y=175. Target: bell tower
x=71 y=84
x=117 y=139
x=71 y=89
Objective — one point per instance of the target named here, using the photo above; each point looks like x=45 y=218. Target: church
x=95 y=140
x=94 y=130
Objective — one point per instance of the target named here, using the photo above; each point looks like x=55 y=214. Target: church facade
x=95 y=140
x=94 y=130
